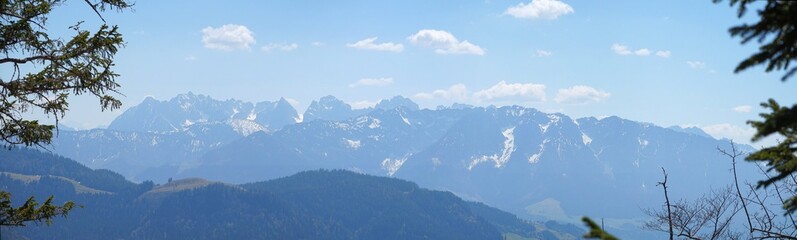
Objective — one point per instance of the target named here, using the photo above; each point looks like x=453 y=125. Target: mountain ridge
x=185 y=110
x=511 y=157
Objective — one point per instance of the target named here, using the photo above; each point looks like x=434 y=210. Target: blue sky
x=664 y=62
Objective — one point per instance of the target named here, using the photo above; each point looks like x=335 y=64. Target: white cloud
x=624 y=50
x=580 y=94
x=543 y=53
x=190 y=58
x=696 y=64
x=368 y=44
x=642 y=52
x=546 y=9
x=228 y=37
x=742 y=108
x=444 y=42
x=726 y=130
x=318 y=44
x=525 y=91
x=363 y=104
x=279 y=46
x=620 y=49
x=376 y=82
x=455 y=92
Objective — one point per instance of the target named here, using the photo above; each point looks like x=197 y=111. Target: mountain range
x=531 y=163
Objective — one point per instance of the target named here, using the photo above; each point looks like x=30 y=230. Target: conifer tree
x=39 y=74
x=776 y=31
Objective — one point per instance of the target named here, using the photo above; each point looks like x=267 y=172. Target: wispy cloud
x=369 y=44
x=620 y=49
x=696 y=64
x=444 y=42
x=642 y=52
x=279 y=46
x=527 y=92
x=742 y=108
x=374 y=82
x=730 y=131
x=363 y=104
x=228 y=37
x=543 y=53
x=536 y=9
x=624 y=50
x=457 y=92
x=580 y=94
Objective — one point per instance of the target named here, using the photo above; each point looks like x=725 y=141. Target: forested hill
x=319 y=204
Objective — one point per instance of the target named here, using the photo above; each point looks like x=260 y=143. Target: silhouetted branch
x=667 y=202
x=733 y=155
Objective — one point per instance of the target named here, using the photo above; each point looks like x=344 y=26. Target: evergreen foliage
x=80 y=65
x=595 y=231
x=30 y=211
x=776 y=31
x=45 y=70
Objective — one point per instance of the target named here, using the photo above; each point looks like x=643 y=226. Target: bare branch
x=94 y=7
x=733 y=155
x=667 y=201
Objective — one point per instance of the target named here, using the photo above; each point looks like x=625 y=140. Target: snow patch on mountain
x=484 y=158
x=554 y=118
x=196 y=145
x=245 y=127
x=359 y=123
x=403 y=118
x=586 y=139
x=642 y=142
x=517 y=112
x=544 y=127
x=374 y=124
x=393 y=165
x=375 y=137
x=509 y=147
x=185 y=105
x=536 y=157
x=341 y=126
x=353 y=144
x=506 y=153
